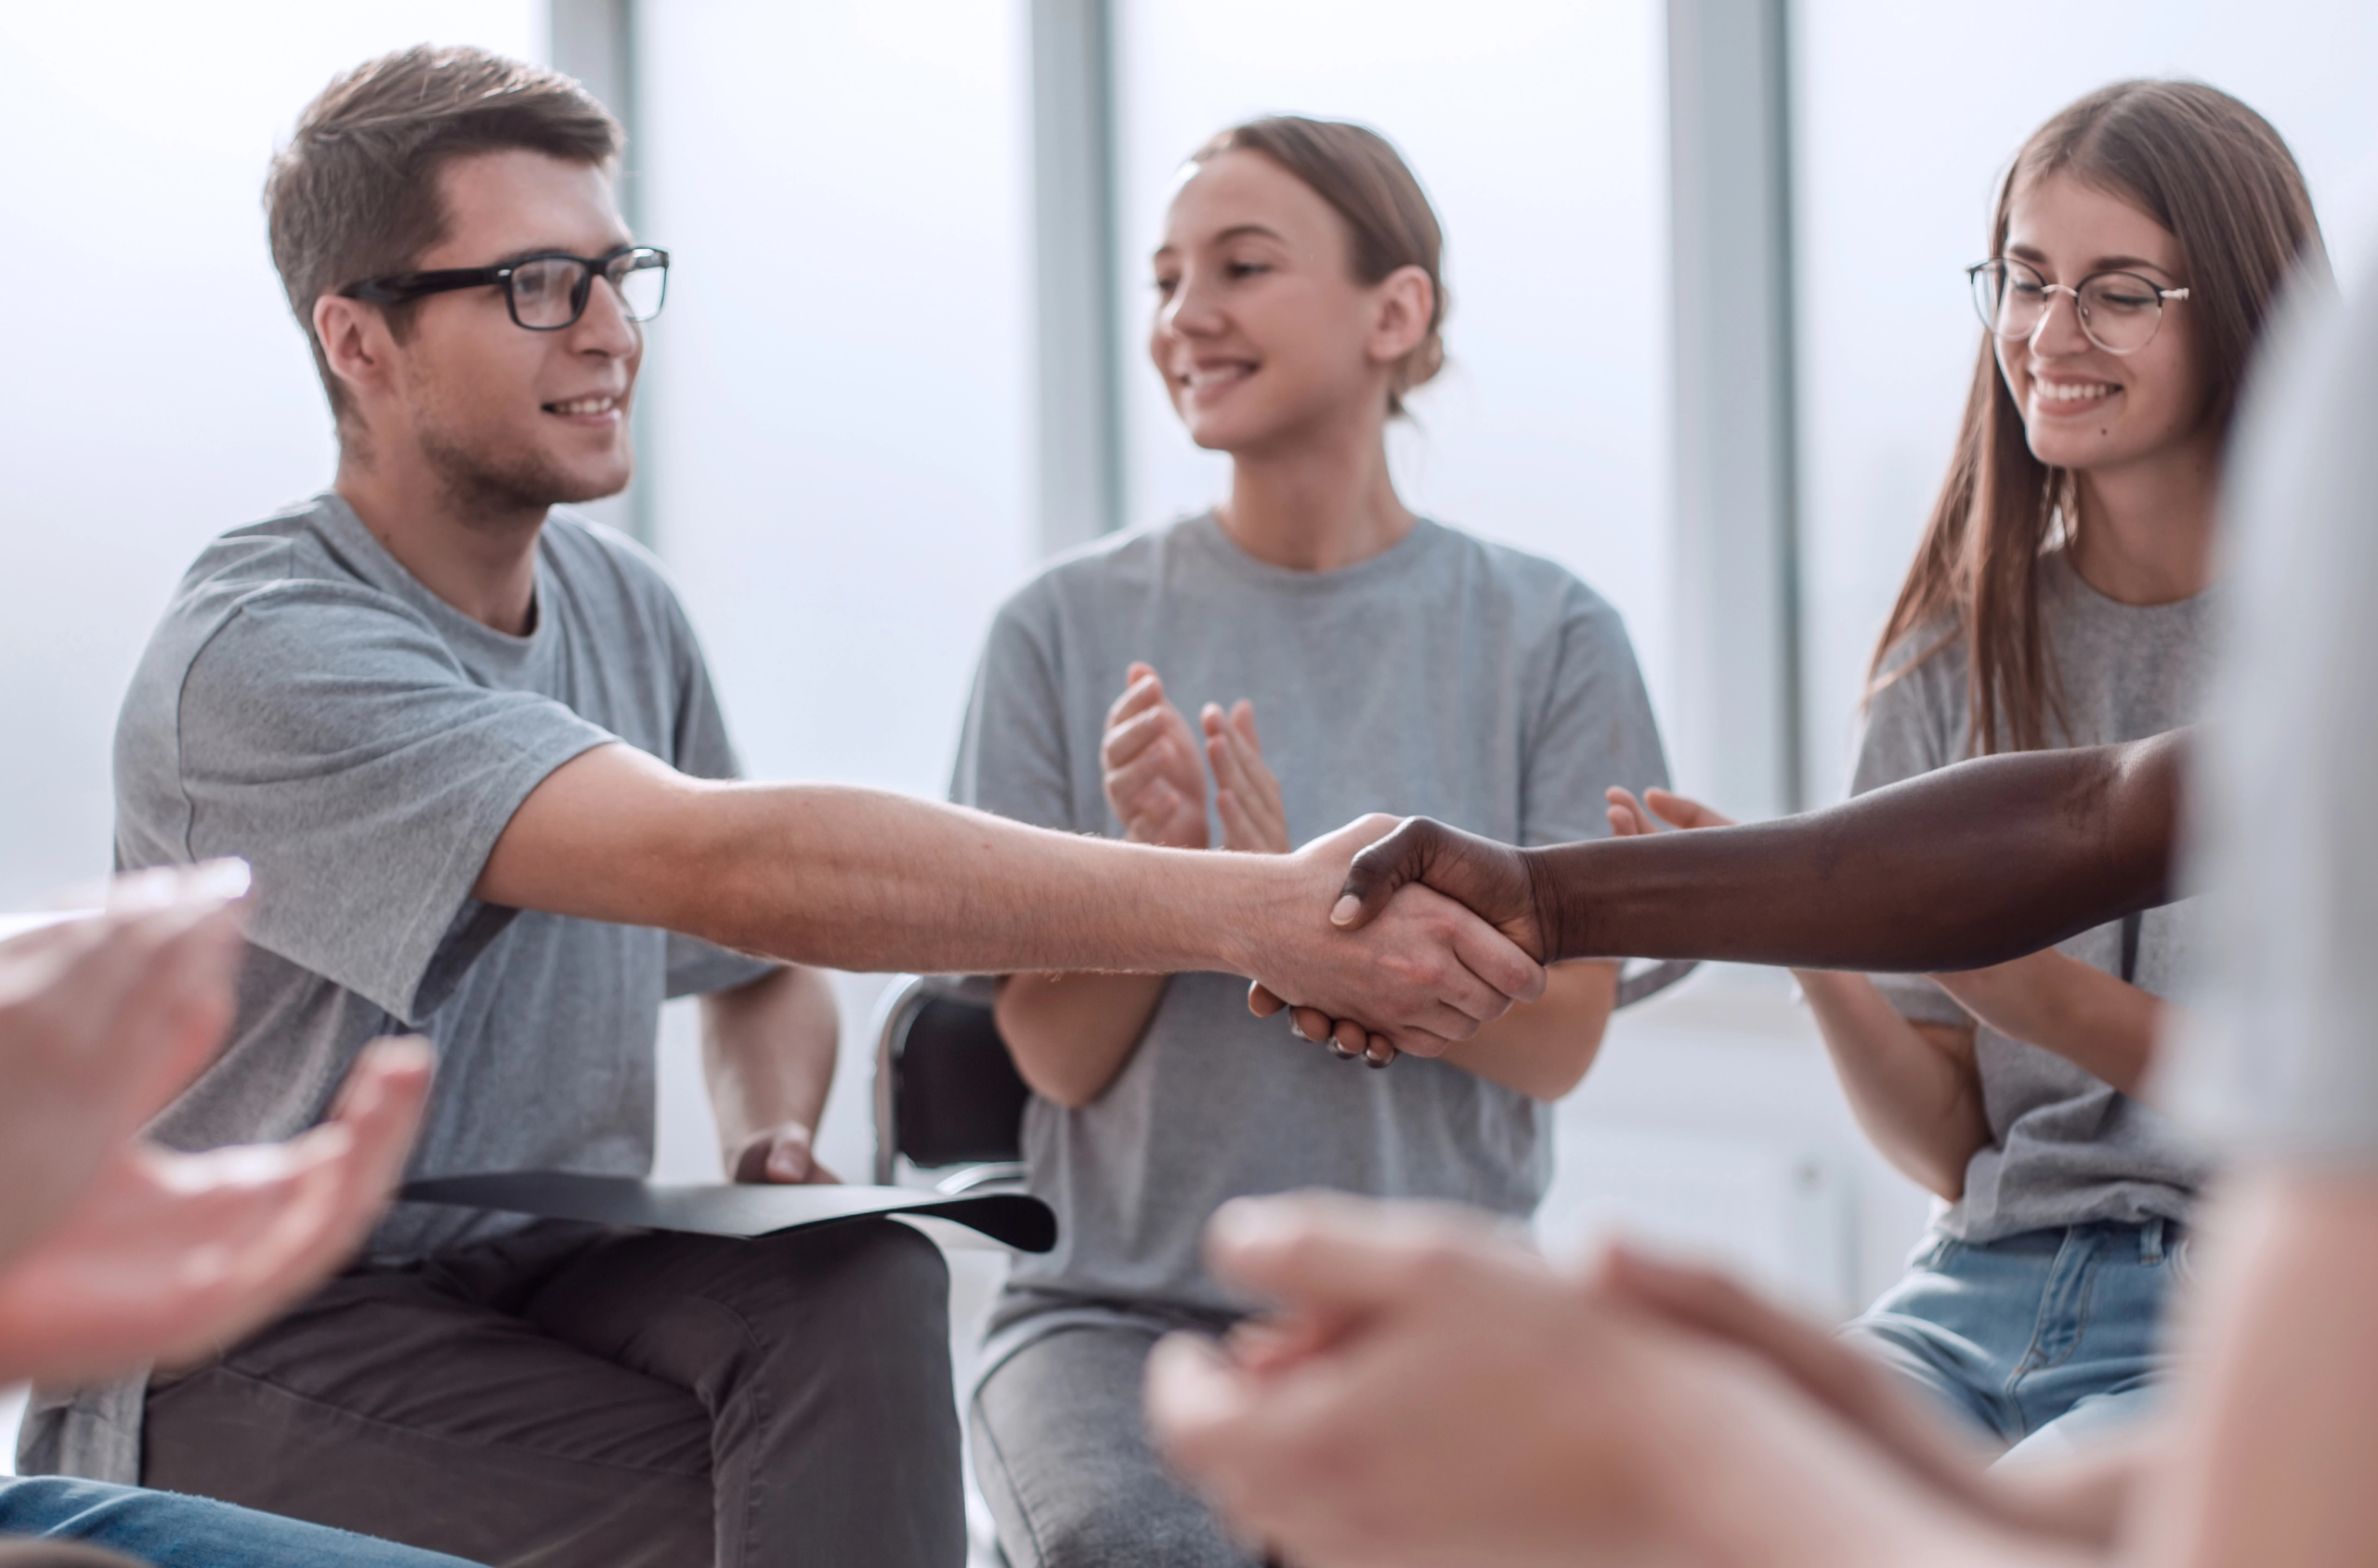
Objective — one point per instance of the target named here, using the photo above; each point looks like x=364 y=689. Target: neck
x=2146 y=528
x=479 y=558
x=1327 y=504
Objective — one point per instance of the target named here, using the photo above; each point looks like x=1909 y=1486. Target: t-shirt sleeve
x=1906 y=736
x=704 y=751
x=1595 y=730
x=327 y=737
x=2280 y=1058
x=1012 y=756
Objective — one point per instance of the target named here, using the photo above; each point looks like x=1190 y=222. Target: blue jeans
x=173 y=1531
x=2041 y=1340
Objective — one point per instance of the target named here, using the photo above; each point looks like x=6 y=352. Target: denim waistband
x=2152 y=1237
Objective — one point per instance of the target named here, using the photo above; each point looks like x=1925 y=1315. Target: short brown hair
x=2221 y=179
x=1388 y=220
x=354 y=195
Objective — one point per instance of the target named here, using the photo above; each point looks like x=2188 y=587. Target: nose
x=1192 y=310
x=2058 y=332
x=604 y=329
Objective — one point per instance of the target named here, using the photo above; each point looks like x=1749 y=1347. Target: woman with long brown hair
x=2062 y=596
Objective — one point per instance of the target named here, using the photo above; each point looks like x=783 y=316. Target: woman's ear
x=1405 y=300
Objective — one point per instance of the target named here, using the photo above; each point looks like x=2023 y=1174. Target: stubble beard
x=484 y=478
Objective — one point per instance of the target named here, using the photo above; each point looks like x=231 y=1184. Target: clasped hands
x=1436 y=932
x=1539 y=1414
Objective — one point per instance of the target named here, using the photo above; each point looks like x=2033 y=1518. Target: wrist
x=1562 y=935
x=1246 y=903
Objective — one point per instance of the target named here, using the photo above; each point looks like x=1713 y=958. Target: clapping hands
x=1155 y=771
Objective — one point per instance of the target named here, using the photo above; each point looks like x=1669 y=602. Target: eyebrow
x=2103 y=264
x=1236 y=232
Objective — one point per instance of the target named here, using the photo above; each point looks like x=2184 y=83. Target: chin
x=589 y=485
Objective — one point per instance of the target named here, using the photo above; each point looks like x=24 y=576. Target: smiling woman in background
x=2063 y=595
x=1397 y=665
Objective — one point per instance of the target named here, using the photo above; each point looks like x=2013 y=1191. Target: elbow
x=1561 y=1075
x=1057 y=1090
x=1041 y=1061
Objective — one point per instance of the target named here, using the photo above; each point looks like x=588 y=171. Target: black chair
x=948 y=1094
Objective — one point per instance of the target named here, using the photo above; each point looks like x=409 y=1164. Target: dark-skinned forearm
x=1970 y=866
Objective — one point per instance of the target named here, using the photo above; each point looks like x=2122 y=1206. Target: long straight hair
x=2215 y=174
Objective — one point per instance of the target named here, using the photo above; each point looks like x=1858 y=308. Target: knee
x=876 y=1272
x=1109 y=1534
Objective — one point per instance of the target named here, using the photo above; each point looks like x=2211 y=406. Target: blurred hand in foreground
x=165 y=1256
x=1432 y=1394
x=103 y=1020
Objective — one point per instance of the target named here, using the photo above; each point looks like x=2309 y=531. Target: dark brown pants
x=576 y=1396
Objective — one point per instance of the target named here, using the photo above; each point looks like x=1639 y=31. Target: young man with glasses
x=471 y=748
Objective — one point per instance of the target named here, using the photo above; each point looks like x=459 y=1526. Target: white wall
x=1907 y=117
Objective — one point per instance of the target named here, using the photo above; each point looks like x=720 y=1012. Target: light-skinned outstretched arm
x=856 y=879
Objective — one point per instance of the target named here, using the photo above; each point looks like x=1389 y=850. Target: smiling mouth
x=2072 y=391
x=1205 y=378
x=583 y=406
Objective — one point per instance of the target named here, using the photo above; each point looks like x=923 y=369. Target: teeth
x=586 y=405
x=2072 y=391
x=1210 y=377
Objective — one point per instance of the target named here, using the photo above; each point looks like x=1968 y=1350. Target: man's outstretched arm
x=856 y=879
x=1970 y=866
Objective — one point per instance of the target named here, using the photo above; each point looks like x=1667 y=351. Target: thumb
x=1375 y=872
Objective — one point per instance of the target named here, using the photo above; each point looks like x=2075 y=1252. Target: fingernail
x=227 y=880
x=1345 y=910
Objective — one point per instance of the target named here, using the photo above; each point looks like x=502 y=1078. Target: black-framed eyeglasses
x=2119 y=311
x=545 y=293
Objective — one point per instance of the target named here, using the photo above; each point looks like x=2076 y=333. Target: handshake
x=1447 y=929
x=1441 y=929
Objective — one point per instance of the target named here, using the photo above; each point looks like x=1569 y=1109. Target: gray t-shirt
x=307 y=705
x=2281 y=1061
x=2066 y=1147
x=1448 y=676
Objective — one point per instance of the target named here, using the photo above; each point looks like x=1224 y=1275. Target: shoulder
x=1084 y=584
x=1532 y=592
x=275 y=581
x=1915 y=707
x=1132 y=560
x=1925 y=667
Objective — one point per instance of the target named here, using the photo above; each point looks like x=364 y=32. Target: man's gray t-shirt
x=2066 y=1147
x=307 y=705
x=1463 y=680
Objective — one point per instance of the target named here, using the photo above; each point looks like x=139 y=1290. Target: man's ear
x=1406 y=299
x=356 y=343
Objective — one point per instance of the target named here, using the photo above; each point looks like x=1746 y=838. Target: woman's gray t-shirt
x=1461 y=679
x=2066 y=1147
